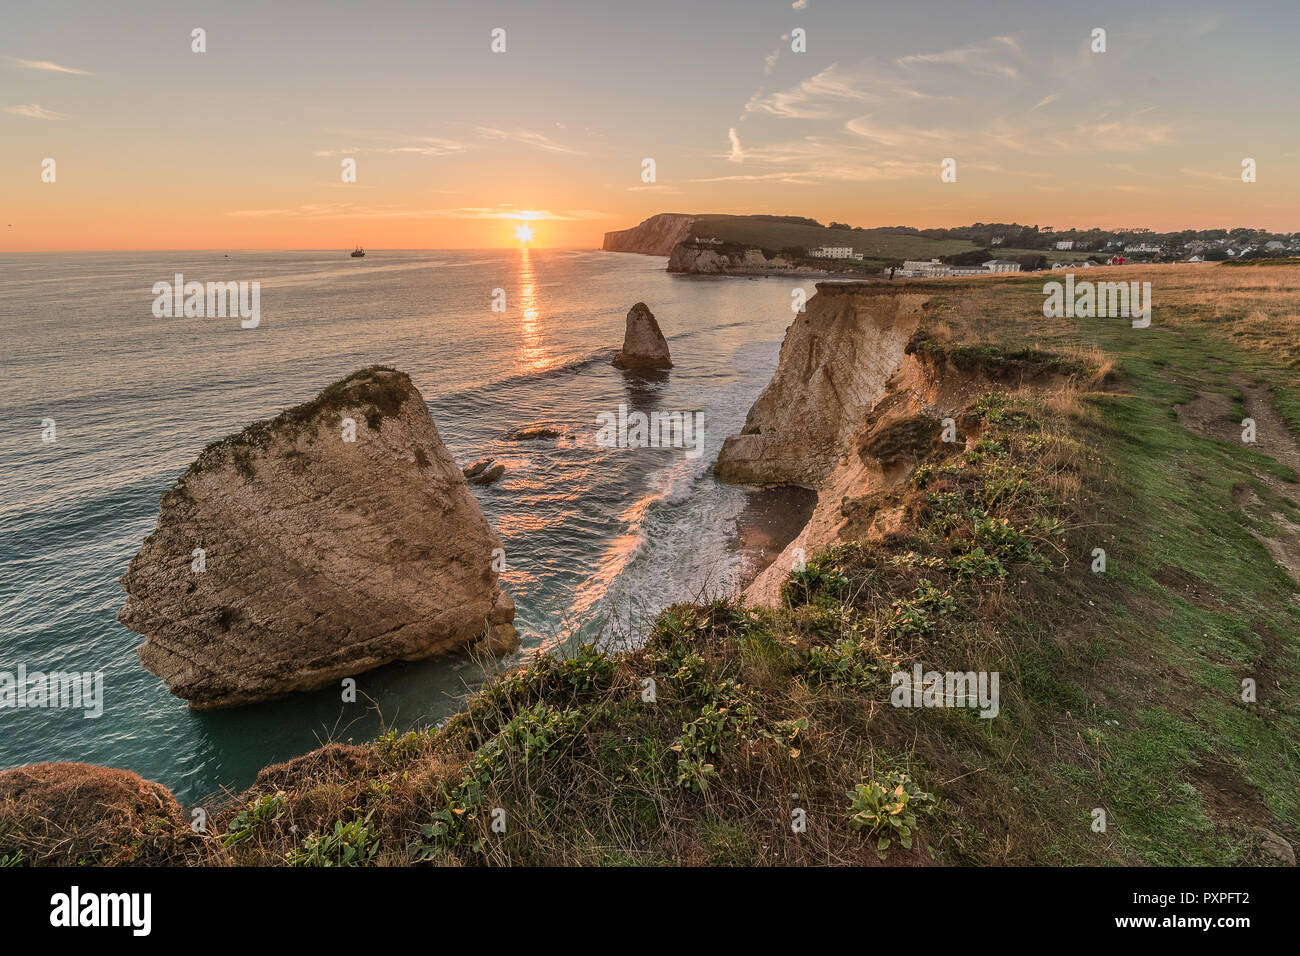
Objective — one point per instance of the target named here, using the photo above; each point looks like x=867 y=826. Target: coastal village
x=989 y=249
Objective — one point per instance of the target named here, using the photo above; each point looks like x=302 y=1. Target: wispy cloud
x=417 y=145
x=1210 y=174
x=737 y=154
x=46 y=65
x=829 y=93
x=983 y=103
x=985 y=59
x=33 y=111
x=527 y=138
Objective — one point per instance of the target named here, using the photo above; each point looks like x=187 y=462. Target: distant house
x=1065 y=244
x=919 y=268
x=834 y=252
x=1141 y=247
x=712 y=241
x=1195 y=259
x=1002 y=265
x=997 y=240
x=1089 y=264
x=1274 y=244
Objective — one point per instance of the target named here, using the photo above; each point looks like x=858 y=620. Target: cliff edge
x=655 y=236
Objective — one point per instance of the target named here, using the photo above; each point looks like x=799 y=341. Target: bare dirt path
x=1215 y=415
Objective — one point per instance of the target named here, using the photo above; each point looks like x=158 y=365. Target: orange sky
x=160 y=147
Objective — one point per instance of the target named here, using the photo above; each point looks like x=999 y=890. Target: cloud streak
x=35 y=111
x=46 y=66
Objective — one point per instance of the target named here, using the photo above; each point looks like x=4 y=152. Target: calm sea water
x=597 y=539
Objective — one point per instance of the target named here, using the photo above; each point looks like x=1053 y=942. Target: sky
x=156 y=146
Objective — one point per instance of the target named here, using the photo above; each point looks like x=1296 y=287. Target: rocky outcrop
x=538 y=431
x=690 y=259
x=332 y=539
x=483 y=472
x=835 y=360
x=73 y=814
x=644 y=346
x=655 y=236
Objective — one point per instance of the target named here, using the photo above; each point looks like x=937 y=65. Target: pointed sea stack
x=644 y=345
x=334 y=538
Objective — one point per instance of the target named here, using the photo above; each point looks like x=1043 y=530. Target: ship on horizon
x=358 y=253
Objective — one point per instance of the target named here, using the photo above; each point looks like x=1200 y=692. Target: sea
x=597 y=539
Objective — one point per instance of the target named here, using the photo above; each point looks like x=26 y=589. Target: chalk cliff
x=856 y=401
x=655 y=236
x=690 y=259
x=835 y=360
x=332 y=539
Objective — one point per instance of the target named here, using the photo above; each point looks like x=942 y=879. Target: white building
x=920 y=268
x=1141 y=247
x=1002 y=265
x=1065 y=244
x=834 y=252
x=712 y=241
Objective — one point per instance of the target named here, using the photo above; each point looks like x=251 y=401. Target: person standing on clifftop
x=891 y=272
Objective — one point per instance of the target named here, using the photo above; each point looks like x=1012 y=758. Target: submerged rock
x=332 y=539
x=537 y=432
x=477 y=468
x=487 y=475
x=644 y=345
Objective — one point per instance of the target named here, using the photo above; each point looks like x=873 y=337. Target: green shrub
x=918 y=613
x=348 y=844
x=978 y=564
x=886 y=808
x=265 y=809
x=845 y=664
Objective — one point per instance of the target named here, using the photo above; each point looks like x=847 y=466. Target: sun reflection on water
x=531 y=356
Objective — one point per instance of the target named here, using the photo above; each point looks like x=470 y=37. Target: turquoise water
x=597 y=539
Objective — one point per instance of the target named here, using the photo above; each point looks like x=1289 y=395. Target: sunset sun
x=523 y=232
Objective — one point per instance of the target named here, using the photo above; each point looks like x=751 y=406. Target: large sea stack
x=334 y=538
x=644 y=345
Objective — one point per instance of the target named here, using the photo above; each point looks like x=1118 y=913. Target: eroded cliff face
x=655 y=236
x=835 y=361
x=332 y=539
x=854 y=405
x=690 y=259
